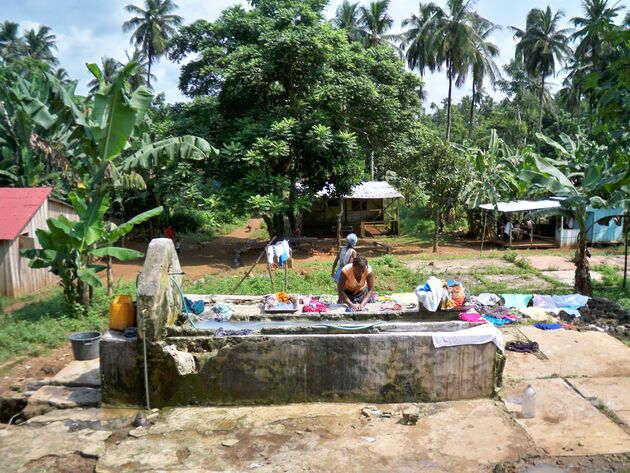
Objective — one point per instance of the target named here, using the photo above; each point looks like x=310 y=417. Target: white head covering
x=351 y=240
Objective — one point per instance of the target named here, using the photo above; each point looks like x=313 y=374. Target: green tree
x=540 y=46
x=375 y=22
x=592 y=34
x=11 y=44
x=109 y=69
x=153 y=26
x=347 y=18
x=482 y=65
x=295 y=103
x=446 y=39
x=584 y=176
x=40 y=44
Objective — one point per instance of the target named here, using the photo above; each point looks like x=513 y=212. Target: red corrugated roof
x=17 y=207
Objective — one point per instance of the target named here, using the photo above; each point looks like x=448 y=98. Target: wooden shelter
x=371 y=208
x=22 y=212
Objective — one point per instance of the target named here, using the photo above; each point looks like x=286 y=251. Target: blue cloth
x=516 y=301
x=452 y=282
x=222 y=312
x=195 y=307
x=572 y=301
x=337 y=275
x=548 y=326
x=496 y=321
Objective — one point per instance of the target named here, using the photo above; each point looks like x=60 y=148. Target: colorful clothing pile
x=315 y=306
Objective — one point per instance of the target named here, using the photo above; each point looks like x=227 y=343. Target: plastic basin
x=85 y=345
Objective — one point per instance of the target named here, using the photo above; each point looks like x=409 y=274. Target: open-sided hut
x=371 y=208
x=22 y=212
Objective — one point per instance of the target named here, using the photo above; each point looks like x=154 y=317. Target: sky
x=87 y=30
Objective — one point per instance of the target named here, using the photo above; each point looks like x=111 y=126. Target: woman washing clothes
x=346 y=255
x=356 y=284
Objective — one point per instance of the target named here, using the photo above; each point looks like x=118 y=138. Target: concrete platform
x=568 y=353
x=566 y=424
x=613 y=392
x=324 y=438
x=79 y=374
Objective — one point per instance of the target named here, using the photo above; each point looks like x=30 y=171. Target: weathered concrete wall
x=159 y=300
x=391 y=367
x=121 y=369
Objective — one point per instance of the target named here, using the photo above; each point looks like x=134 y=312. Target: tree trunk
x=540 y=106
x=269 y=223
x=472 y=111
x=110 y=278
x=150 y=59
x=339 y=217
x=582 y=271
x=278 y=225
x=436 y=232
x=448 y=104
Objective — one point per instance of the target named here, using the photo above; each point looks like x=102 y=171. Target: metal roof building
x=22 y=212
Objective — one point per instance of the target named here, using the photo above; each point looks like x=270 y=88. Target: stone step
x=79 y=374
x=48 y=398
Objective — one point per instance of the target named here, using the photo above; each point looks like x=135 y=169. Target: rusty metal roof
x=17 y=207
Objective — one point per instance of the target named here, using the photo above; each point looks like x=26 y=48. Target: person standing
x=346 y=255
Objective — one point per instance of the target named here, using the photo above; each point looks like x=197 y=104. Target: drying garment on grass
x=516 y=301
x=431 y=294
x=569 y=304
x=471 y=336
x=486 y=298
x=499 y=322
x=548 y=326
x=540 y=314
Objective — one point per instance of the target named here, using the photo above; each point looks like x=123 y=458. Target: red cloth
x=169 y=233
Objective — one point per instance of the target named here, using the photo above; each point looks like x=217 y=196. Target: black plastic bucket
x=85 y=345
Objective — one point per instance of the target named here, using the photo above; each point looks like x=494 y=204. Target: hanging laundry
x=270 y=254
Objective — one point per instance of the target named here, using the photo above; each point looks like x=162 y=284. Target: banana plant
x=71 y=249
x=583 y=176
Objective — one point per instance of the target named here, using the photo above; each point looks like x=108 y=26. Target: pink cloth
x=315 y=306
x=472 y=317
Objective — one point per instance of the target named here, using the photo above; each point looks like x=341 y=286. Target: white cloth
x=431 y=299
x=488 y=298
x=471 y=336
x=270 y=254
x=286 y=247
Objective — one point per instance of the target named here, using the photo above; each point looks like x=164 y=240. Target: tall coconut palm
x=375 y=21
x=40 y=44
x=347 y=18
x=152 y=27
x=541 y=45
x=415 y=40
x=110 y=69
x=592 y=36
x=11 y=45
x=482 y=64
x=447 y=38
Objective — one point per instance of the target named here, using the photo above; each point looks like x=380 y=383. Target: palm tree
x=592 y=37
x=446 y=37
x=152 y=27
x=40 y=44
x=11 y=45
x=347 y=18
x=110 y=68
x=138 y=77
x=415 y=39
x=482 y=64
x=541 y=45
x=375 y=22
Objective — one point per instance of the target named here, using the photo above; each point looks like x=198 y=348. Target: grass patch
x=310 y=278
x=46 y=324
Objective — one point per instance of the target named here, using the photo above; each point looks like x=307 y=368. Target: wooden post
x=510 y=232
x=110 y=278
x=273 y=288
x=483 y=232
x=262 y=253
x=286 y=275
